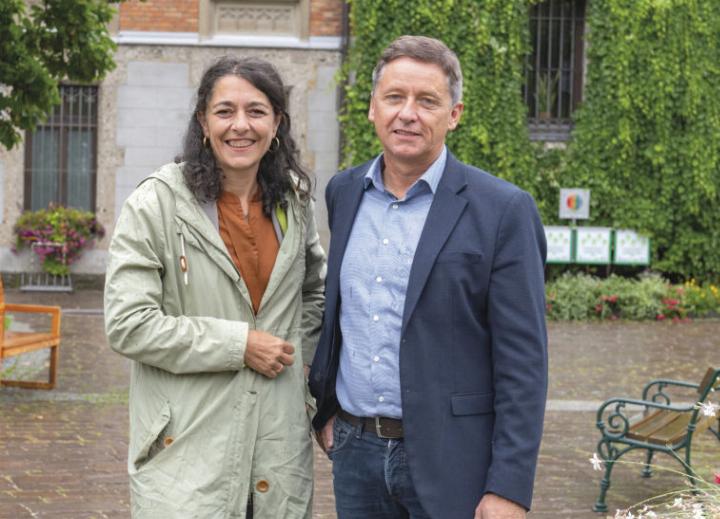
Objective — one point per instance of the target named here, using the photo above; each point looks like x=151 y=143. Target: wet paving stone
x=63 y=452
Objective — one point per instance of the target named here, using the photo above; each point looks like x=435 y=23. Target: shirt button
x=394 y=206
x=381 y=399
x=262 y=486
x=386 y=241
x=376 y=359
x=376 y=317
x=378 y=279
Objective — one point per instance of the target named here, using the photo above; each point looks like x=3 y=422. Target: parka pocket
x=151 y=443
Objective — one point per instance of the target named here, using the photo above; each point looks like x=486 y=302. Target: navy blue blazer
x=473 y=347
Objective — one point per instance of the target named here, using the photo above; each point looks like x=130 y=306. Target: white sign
x=592 y=245
x=574 y=204
x=631 y=248
x=559 y=244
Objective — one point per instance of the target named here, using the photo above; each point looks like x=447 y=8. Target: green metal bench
x=661 y=427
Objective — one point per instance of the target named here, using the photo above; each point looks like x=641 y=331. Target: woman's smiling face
x=240 y=123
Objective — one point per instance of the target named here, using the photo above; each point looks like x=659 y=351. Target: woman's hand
x=267 y=354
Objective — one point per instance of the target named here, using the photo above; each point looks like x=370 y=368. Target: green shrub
x=582 y=297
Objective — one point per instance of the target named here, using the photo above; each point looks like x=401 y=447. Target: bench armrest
x=661 y=383
x=618 y=421
x=54 y=311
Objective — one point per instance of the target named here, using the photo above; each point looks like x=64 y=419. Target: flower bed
x=582 y=297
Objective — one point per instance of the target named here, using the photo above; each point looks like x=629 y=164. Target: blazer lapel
x=346 y=203
x=444 y=212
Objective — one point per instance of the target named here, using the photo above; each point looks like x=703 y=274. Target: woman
x=215 y=282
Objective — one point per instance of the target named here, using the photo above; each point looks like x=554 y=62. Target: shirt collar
x=431 y=176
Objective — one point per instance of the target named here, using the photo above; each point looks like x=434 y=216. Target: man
x=431 y=371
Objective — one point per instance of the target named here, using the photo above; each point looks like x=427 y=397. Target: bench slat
x=17 y=343
x=651 y=423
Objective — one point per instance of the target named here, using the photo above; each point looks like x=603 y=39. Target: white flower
x=678 y=502
x=597 y=463
x=709 y=408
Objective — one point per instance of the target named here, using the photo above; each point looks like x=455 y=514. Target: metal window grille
x=554 y=67
x=61 y=153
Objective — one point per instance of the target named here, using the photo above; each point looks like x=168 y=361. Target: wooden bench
x=661 y=427
x=17 y=343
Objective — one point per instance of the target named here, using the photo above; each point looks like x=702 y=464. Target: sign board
x=592 y=245
x=559 y=244
x=631 y=248
x=574 y=204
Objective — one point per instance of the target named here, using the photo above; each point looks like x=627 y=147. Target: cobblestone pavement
x=63 y=452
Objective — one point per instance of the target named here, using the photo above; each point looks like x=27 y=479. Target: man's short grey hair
x=428 y=50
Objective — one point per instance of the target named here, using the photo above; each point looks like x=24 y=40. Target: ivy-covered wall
x=490 y=39
x=646 y=139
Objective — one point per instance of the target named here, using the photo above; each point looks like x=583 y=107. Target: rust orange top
x=251 y=241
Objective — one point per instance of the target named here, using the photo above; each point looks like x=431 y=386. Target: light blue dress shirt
x=373 y=282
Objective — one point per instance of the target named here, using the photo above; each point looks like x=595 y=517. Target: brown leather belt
x=386 y=428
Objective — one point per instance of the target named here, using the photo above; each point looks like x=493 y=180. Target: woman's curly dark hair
x=280 y=171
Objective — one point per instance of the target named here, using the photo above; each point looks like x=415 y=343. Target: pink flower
x=660 y=317
x=717 y=478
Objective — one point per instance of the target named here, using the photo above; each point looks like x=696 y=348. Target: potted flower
x=57 y=235
x=546 y=94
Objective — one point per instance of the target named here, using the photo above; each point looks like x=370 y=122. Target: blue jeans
x=371 y=476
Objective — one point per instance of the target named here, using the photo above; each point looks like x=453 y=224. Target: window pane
x=79 y=169
x=45 y=167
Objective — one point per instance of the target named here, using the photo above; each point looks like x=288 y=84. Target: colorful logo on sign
x=574 y=202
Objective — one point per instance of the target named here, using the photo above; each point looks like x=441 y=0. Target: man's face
x=412 y=111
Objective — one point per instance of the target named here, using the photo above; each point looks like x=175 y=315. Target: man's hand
x=492 y=506
x=267 y=354
x=324 y=437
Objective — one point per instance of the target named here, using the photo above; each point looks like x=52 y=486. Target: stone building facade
x=143 y=106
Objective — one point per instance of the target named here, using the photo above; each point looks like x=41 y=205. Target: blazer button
x=168 y=441
x=262 y=486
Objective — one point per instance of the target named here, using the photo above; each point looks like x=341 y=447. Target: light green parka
x=206 y=431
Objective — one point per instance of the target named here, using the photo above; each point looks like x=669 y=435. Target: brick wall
x=325 y=17
x=159 y=15
x=182 y=16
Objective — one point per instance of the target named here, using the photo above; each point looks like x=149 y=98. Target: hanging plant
x=58 y=235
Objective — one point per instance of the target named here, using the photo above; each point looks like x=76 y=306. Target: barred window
x=554 y=67
x=61 y=154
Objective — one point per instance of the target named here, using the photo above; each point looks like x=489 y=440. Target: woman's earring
x=275 y=141
x=205 y=141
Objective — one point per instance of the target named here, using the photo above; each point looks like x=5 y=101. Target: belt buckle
x=378 y=429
